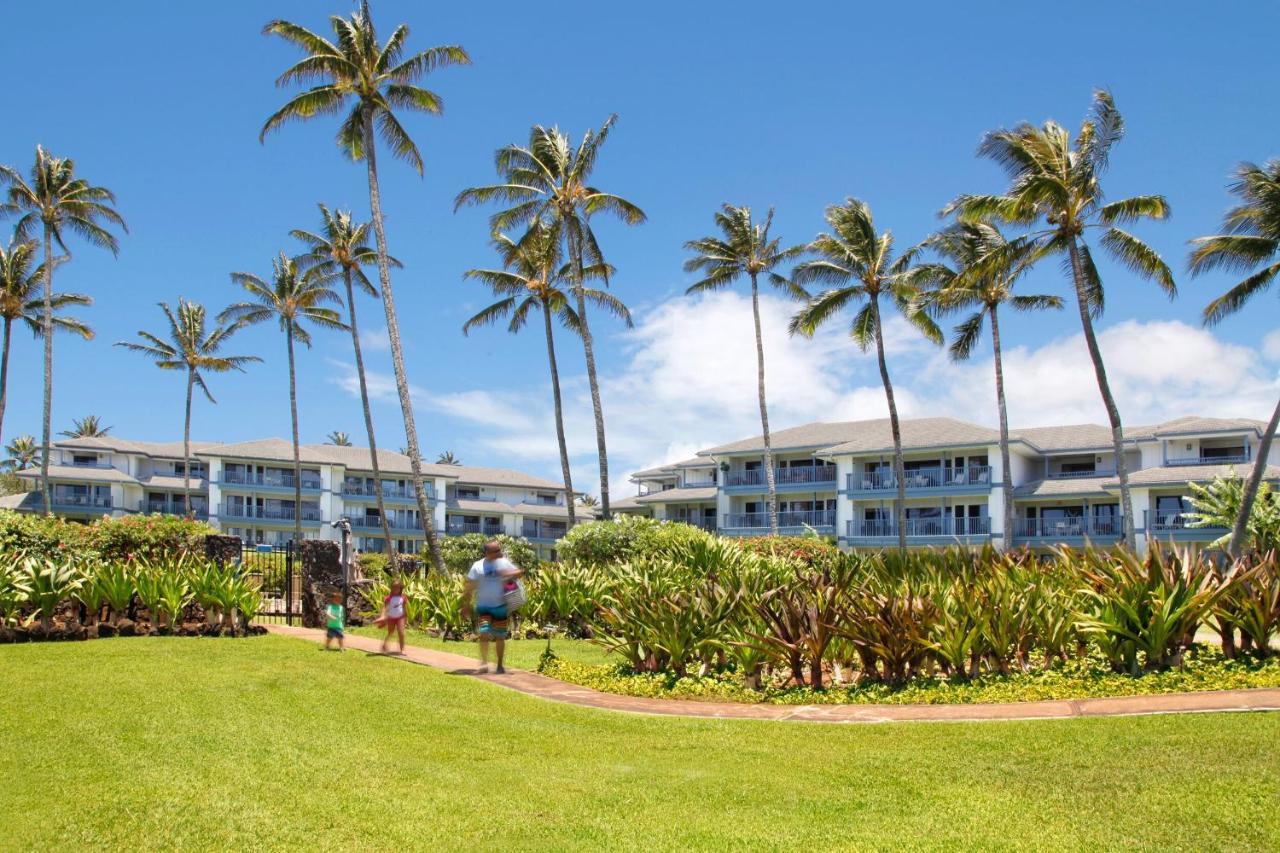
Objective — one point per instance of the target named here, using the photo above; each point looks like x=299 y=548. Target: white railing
x=1074 y=475
x=459 y=528
x=918 y=527
x=786 y=518
x=1169 y=521
x=1208 y=460
x=369 y=490
x=93 y=501
x=283 y=480
x=270 y=513
x=783 y=476
x=921 y=478
x=1065 y=528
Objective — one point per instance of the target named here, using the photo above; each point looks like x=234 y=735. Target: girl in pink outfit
x=393 y=615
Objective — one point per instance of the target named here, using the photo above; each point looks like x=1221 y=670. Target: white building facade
x=837 y=479
x=247 y=489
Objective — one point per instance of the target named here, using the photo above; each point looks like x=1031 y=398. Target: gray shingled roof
x=469 y=505
x=169 y=481
x=1067 y=487
x=389 y=462
x=544 y=511
x=671 y=468
x=1073 y=437
x=477 y=475
x=160 y=449
x=77 y=472
x=25 y=501
x=1192 y=424
x=1175 y=474
x=628 y=504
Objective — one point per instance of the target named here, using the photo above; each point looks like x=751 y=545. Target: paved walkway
x=543 y=687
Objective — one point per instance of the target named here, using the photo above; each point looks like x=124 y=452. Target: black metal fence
x=280 y=580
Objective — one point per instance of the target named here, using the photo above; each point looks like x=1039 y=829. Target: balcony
x=76 y=501
x=822 y=475
x=265 y=513
x=1071 y=527
x=543 y=531
x=916 y=479
x=1233 y=459
x=279 y=481
x=369 y=490
x=702 y=522
x=1076 y=475
x=198 y=509
x=99 y=465
x=789 y=521
x=947 y=527
x=456 y=527
x=1177 y=524
x=372 y=522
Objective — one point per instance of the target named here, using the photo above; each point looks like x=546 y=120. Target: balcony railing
x=373 y=522
x=199 y=509
x=1208 y=460
x=1075 y=475
x=1064 y=528
x=788 y=518
x=266 y=513
x=485 y=498
x=921 y=478
x=240 y=478
x=461 y=528
x=87 y=501
x=881 y=528
x=1172 y=521
x=783 y=476
x=697 y=521
x=106 y=466
x=369 y=490
x=542 y=530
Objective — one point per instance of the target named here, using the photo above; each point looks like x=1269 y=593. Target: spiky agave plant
x=115 y=582
x=49 y=581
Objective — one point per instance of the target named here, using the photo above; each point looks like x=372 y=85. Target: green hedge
x=149 y=537
x=625 y=537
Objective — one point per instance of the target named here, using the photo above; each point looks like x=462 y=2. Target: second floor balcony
x=544 y=531
x=458 y=527
x=1179 y=524
x=788 y=520
x=917 y=479
x=395 y=522
x=817 y=475
x=270 y=513
x=76 y=500
x=271 y=479
x=1060 y=528
x=199 y=509
x=357 y=489
x=942 y=527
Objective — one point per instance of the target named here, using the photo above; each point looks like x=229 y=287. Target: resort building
x=837 y=479
x=247 y=489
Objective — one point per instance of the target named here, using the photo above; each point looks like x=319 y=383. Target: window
x=752 y=465
x=1077 y=467
x=84 y=459
x=550 y=499
x=1171 y=504
x=1221 y=452
x=472 y=492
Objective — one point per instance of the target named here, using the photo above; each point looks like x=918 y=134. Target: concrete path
x=543 y=687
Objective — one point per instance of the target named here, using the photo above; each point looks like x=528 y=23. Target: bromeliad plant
x=14 y=588
x=49 y=581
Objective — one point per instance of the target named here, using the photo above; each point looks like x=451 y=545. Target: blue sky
x=758 y=104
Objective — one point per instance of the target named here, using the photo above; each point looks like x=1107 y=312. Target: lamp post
x=344 y=525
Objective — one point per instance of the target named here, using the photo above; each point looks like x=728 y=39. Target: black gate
x=281 y=583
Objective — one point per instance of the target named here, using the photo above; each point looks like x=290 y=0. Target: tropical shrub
x=1218 y=503
x=146 y=537
x=565 y=595
x=803 y=549
x=49 y=580
x=459 y=552
x=14 y=588
x=39 y=535
x=114 y=583
x=623 y=538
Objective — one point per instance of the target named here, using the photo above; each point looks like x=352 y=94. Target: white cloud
x=375 y=340
x=688 y=381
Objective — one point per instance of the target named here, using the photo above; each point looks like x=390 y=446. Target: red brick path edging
x=533 y=684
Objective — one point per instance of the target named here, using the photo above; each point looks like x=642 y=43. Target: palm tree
x=532 y=280
x=589 y=501
x=549 y=180
x=19 y=300
x=447 y=458
x=22 y=453
x=1251 y=238
x=340 y=251
x=972 y=284
x=90 y=426
x=857 y=263
x=747 y=250
x=188 y=345
x=1057 y=181
x=339 y=439
x=354 y=67
x=292 y=299
x=58 y=202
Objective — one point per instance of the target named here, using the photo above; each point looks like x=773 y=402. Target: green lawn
x=267 y=742
x=522 y=654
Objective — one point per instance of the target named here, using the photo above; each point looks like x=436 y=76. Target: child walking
x=334 y=612
x=393 y=615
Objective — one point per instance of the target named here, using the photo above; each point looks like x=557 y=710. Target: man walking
x=487 y=580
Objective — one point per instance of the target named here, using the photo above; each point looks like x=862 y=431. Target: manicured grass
x=268 y=743
x=522 y=654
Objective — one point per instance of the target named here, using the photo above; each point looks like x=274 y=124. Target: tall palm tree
x=549 y=180
x=339 y=439
x=1058 y=181
x=20 y=301
x=980 y=287
x=745 y=249
x=188 y=344
x=532 y=280
x=58 y=202
x=1251 y=237
x=340 y=251
x=293 y=299
x=448 y=458
x=857 y=263
x=22 y=453
x=355 y=69
x=90 y=426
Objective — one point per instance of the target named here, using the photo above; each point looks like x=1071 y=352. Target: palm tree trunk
x=1104 y=387
x=770 y=479
x=368 y=419
x=555 y=393
x=297 y=462
x=186 y=448
x=1240 y=529
x=4 y=374
x=397 y=353
x=899 y=470
x=588 y=349
x=48 y=372
x=1006 y=480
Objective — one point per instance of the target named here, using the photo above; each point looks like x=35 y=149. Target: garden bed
x=1079 y=678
